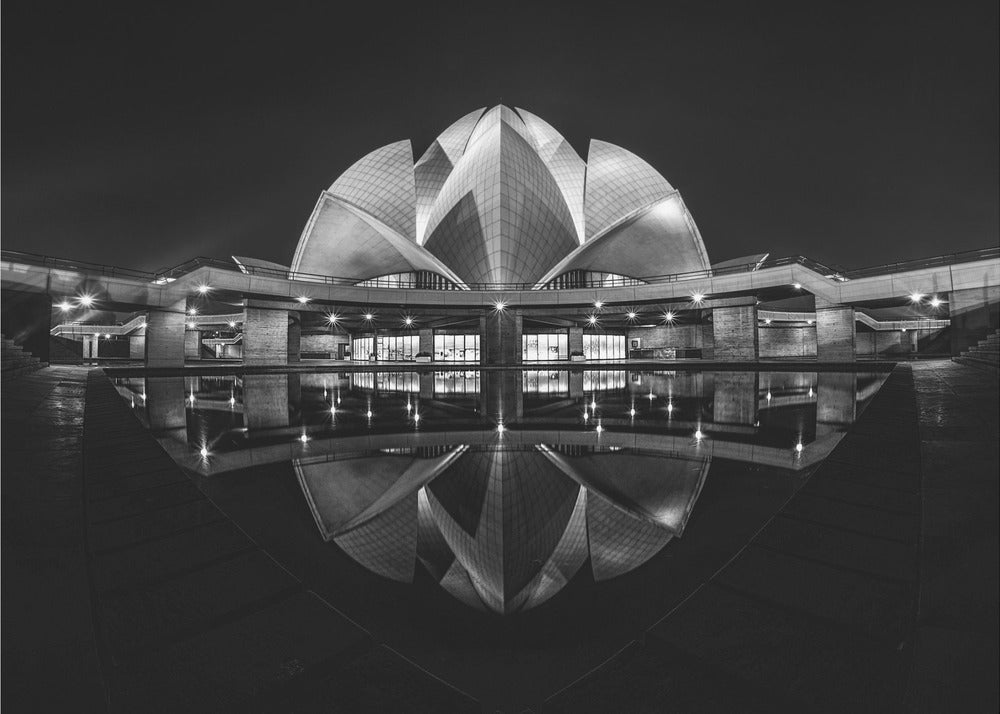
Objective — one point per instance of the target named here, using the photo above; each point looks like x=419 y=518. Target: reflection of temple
x=501 y=528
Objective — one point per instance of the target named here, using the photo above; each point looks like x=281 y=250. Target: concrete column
x=500 y=337
x=426 y=341
x=192 y=344
x=137 y=346
x=265 y=336
x=835 y=401
x=165 y=336
x=294 y=351
x=575 y=339
x=734 y=333
x=502 y=395
x=165 y=406
x=576 y=384
x=426 y=385
x=834 y=332
x=735 y=398
x=707 y=339
x=265 y=397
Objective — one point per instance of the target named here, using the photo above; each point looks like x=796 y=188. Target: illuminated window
x=550 y=347
x=456 y=348
x=602 y=346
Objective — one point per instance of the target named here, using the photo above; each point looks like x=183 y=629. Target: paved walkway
x=875 y=588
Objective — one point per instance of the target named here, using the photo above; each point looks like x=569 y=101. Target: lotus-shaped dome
x=500 y=197
x=502 y=529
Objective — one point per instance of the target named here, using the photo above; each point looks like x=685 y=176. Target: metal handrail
x=188 y=266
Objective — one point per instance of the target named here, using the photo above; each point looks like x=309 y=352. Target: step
x=9 y=374
x=978 y=364
x=11 y=362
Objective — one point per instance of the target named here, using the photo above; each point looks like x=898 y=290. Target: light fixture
x=936 y=301
x=65 y=306
x=669 y=316
x=915 y=297
x=797 y=286
x=191 y=325
x=332 y=318
x=86 y=300
x=697 y=297
x=632 y=315
x=107 y=335
x=303 y=299
x=369 y=316
x=232 y=323
x=809 y=322
x=592 y=319
x=192 y=311
x=767 y=320
x=499 y=306
x=408 y=321
x=202 y=289
x=598 y=304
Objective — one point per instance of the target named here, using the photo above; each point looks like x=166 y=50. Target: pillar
x=192 y=344
x=707 y=338
x=165 y=335
x=500 y=337
x=575 y=340
x=136 y=346
x=294 y=343
x=165 y=407
x=836 y=397
x=734 y=333
x=834 y=332
x=426 y=385
x=735 y=399
x=426 y=341
x=265 y=398
x=265 y=336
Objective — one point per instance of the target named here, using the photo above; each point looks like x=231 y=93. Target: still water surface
x=494 y=518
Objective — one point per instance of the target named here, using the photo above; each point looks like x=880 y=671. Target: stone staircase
x=985 y=355
x=16 y=361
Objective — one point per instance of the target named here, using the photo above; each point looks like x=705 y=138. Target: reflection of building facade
x=502 y=528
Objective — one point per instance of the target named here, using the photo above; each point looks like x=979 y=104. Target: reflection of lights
x=65 y=306
x=599 y=428
x=798 y=448
x=670 y=408
x=501 y=428
x=369 y=414
x=416 y=418
x=699 y=435
x=593 y=404
x=916 y=297
x=232 y=401
x=936 y=301
x=191 y=399
x=768 y=396
x=333 y=410
x=408 y=407
x=651 y=396
x=586 y=415
x=902 y=329
x=811 y=392
x=631 y=412
x=304 y=438
x=697 y=297
x=204 y=452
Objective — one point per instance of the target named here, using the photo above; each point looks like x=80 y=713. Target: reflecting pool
x=505 y=488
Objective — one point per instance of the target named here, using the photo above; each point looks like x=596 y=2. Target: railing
x=171 y=274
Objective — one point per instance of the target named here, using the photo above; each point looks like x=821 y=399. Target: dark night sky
x=854 y=134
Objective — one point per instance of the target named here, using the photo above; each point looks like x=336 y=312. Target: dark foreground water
x=510 y=528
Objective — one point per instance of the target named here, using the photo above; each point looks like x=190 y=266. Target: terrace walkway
x=875 y=588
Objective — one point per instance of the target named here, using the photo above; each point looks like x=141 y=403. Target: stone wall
x=734 y=331
x=664 y=340
x=265 y=336
x=777 y=342
x=324 y=344
x=165 y=336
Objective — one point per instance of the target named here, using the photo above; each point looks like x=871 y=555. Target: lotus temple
x=499 y=432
